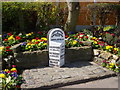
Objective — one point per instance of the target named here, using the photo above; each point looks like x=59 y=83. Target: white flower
x=8 y=79
x=81 y=35
x=10 y=56
x=100 y=38
x=0 y=80
x=6 y=59
x=20 y=34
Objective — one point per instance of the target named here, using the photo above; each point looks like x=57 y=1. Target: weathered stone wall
x=78 y=54
x=40 y=58
x=32 y=59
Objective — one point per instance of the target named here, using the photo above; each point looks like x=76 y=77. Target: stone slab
x=105 y=55
x=78 y=71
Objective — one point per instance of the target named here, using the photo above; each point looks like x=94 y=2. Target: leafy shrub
x=29 y=16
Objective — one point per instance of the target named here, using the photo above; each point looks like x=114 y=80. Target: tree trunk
x=74 y=9
x=118 y=22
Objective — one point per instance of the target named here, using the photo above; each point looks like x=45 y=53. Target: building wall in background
x=83 y=18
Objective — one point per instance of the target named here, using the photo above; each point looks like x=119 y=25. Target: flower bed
x=32 y=48
x=10 y=79
x=37 y=41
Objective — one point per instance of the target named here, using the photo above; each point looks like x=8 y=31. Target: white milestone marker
x=56 y=47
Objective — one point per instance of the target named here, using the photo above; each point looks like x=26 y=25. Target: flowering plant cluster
x=98 y=43
x=6 y=51
x=34 y=44
x=10 y=79
x=76 y=40
x=110 y=65
x=10 y=39
x=37 y=41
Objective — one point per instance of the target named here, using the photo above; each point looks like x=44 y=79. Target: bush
x=29 y=16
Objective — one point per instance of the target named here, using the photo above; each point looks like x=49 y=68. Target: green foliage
x=110 y=38
x=107 y=28
x=30 y=16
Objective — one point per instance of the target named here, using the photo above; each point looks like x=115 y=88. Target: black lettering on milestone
x=57 y=33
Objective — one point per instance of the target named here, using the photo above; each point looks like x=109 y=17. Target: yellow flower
x=112 y=64
x=45 y=44
x=13 y=69
x=100 y=33
x=33 y=40
x=11 y=37
x=116 y=49
x=43 y=38
x=109 y=47
x=29 y=44
x=31 y=32
x=95 y=42
x=32 y=44
x=1 y=48
x=74 y=42
x=38 y=40
x=6 y=70
x=94 y=38
x=2 y=75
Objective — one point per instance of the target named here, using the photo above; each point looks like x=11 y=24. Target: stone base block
x=40 y=58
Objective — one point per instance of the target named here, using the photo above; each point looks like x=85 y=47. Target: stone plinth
x=40 y=58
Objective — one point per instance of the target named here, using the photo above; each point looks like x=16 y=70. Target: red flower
x=8 y=50
x=86 y=37
x=13 y=65
x=98 y=42
x=17 y=86
x=36 y=38
x=42 y=40
x=117 y=64
x=8 y=72
x=81 y=37
x=9 y=34
x=75 y=36
x=7 y=47
x=40 y=32
x=66 y=36
x=81 y=42
x=107 y=32
x=107 y=62
x=81 y=34
x=113 y=34
x=36 y=42
x=15 y=71
x=102 y=42
x=5 y=39
x=18 y=37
